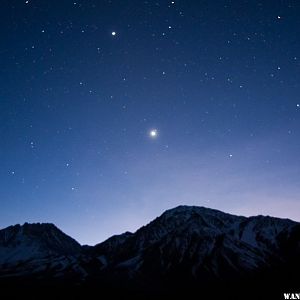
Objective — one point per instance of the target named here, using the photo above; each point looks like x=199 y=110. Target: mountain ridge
x=190 y=245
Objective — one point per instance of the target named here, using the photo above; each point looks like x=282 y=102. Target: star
x=113 y=33
x=298 y=105
x=153 y=133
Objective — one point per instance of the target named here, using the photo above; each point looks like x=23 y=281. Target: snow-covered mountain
x=196 y=242
x=31 y=241
x=187 y=245
x=37 y=250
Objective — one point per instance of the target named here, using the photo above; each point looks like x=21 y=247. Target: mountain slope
x=186 y=248
x=31 y=241
x=196 y=242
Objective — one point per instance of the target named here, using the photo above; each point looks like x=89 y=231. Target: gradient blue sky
x=219 y=80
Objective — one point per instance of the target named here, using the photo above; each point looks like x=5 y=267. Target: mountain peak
x=199 y=210
x=185 y=209
x=34 y=240
x=28 y=227
x=38 y=224
x=185 y=244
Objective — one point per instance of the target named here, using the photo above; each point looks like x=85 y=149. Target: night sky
x=113 y=111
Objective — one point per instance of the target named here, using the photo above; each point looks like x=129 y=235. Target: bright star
x=113 y=33
x=153 y=133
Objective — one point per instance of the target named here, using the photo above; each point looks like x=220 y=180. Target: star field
x=113 y=111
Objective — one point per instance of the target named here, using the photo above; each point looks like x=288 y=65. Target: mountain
x=34 y=249
x=30 y=241
x=187 y=248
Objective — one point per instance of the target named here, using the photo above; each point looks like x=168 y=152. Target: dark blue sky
x=219 y=81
